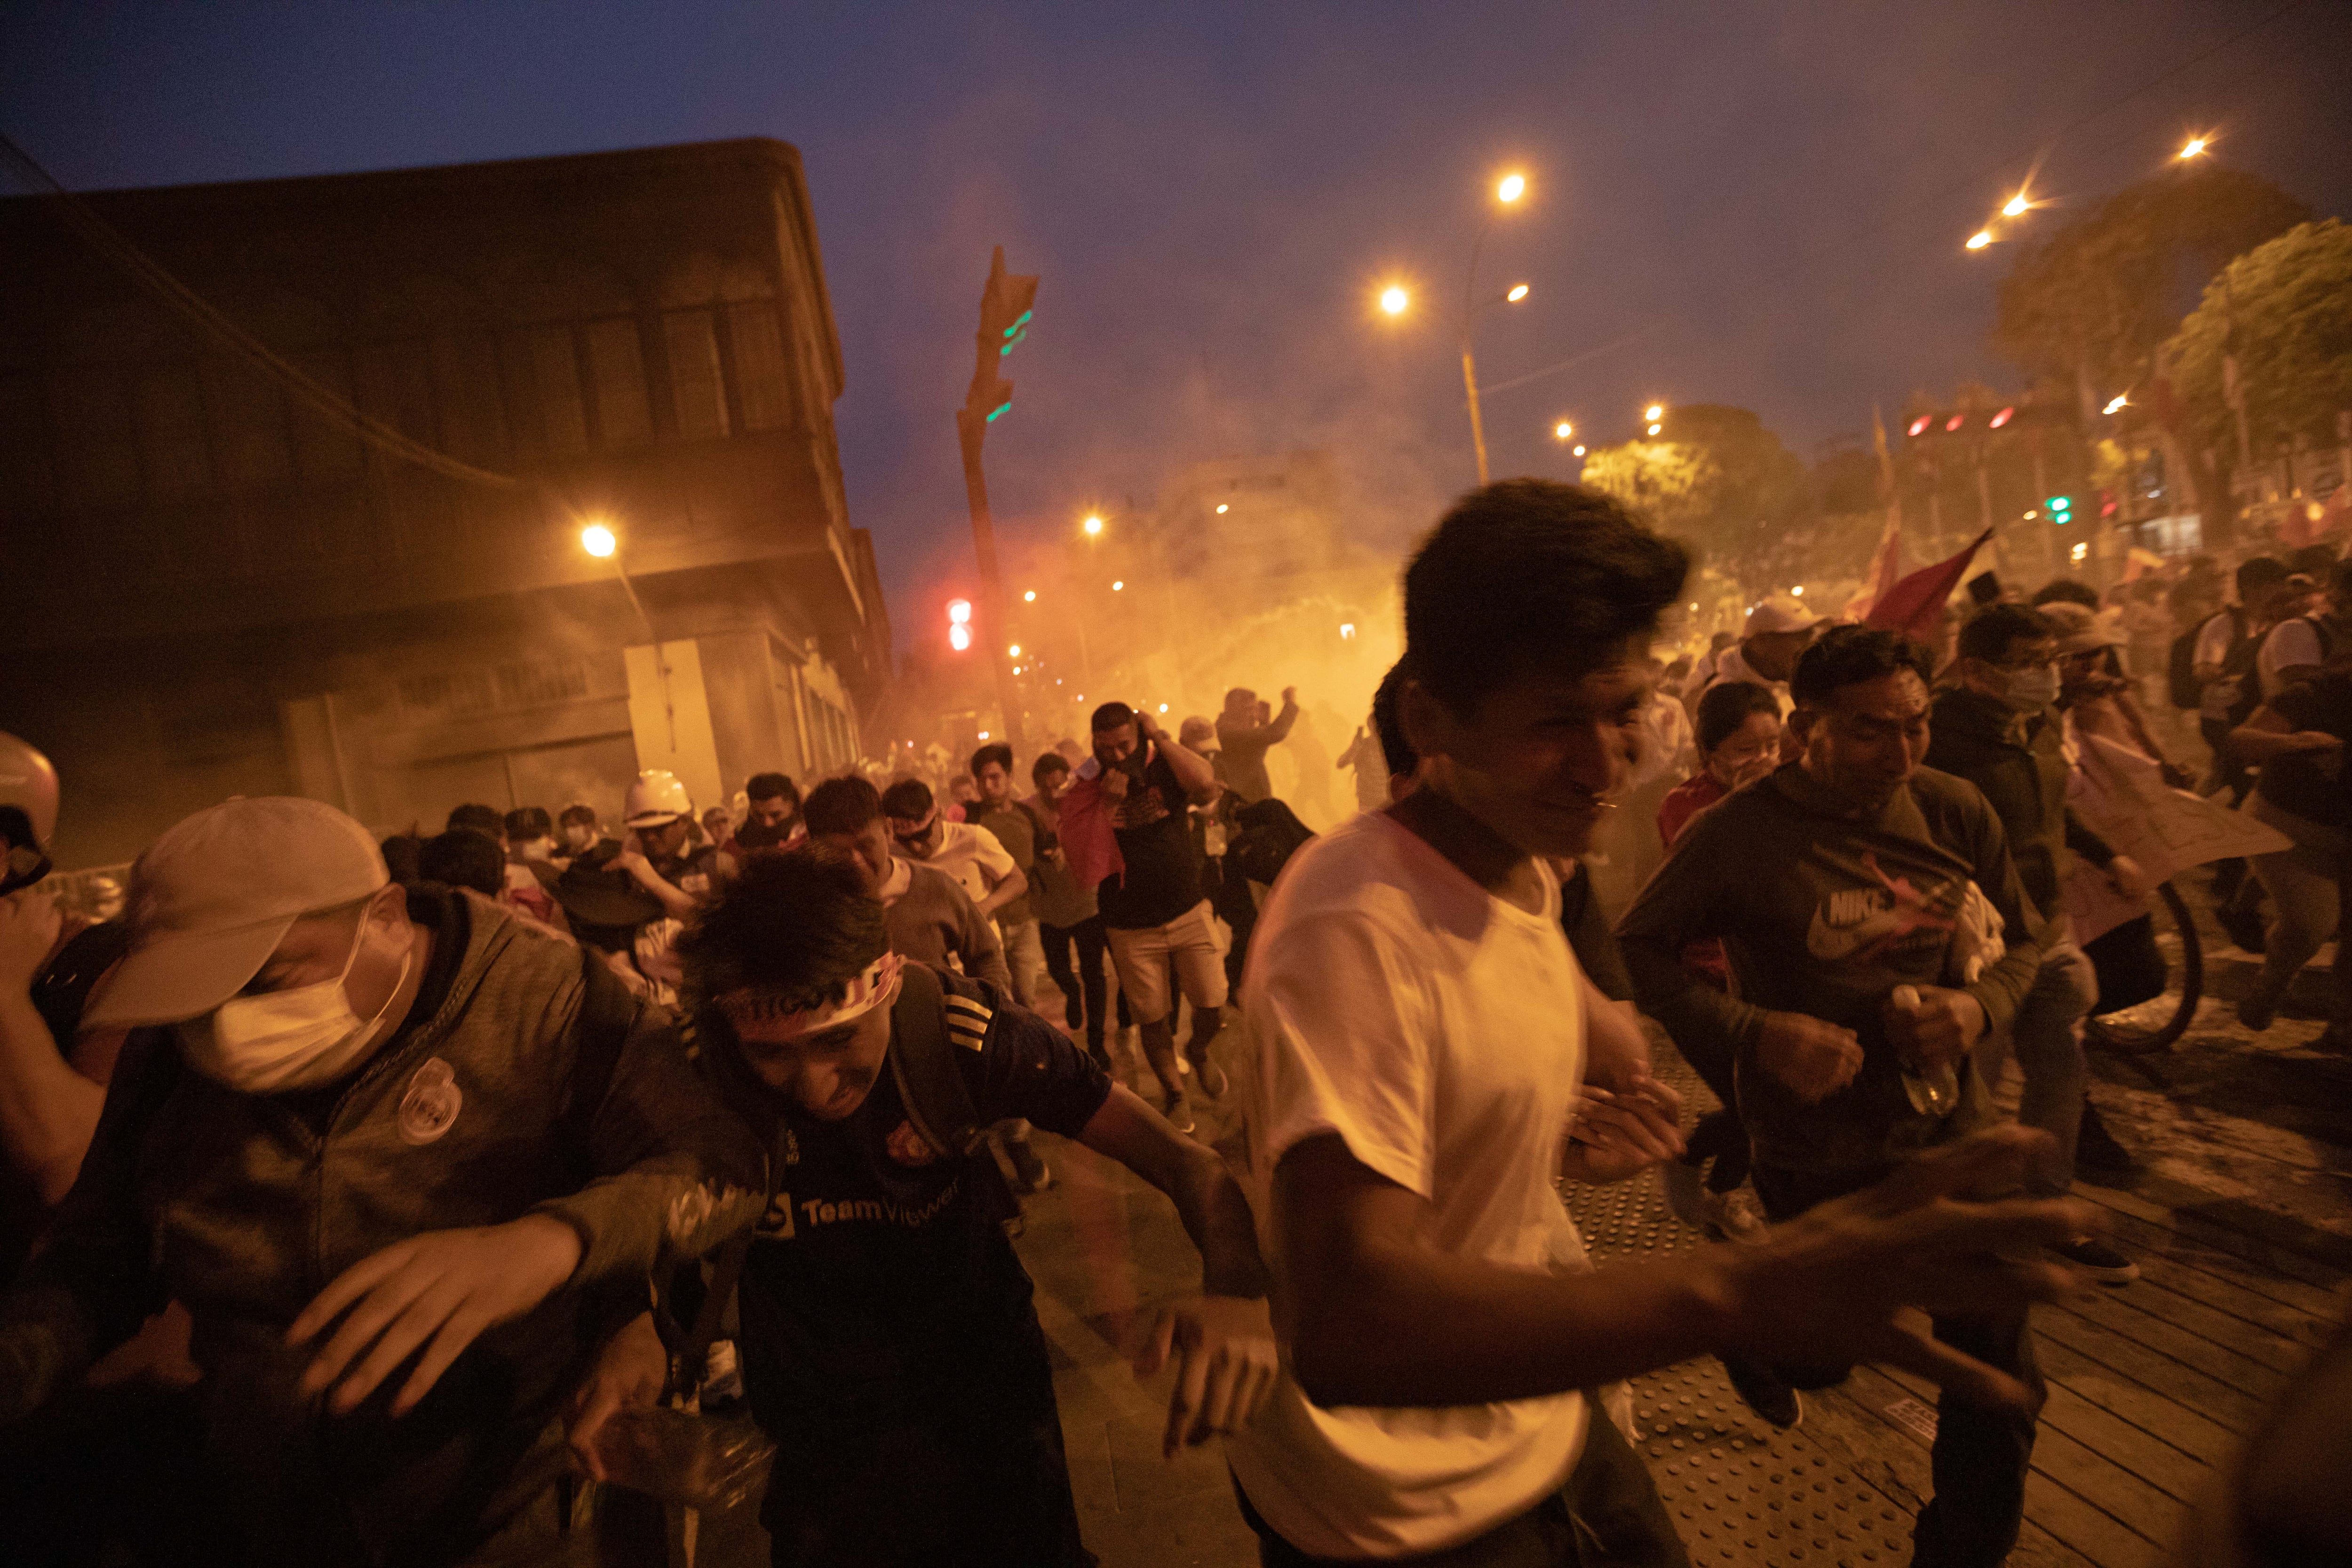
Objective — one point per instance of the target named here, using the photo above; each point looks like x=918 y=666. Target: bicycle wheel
x=2155 y=1024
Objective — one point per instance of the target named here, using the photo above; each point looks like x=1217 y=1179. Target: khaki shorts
x=1142 y=957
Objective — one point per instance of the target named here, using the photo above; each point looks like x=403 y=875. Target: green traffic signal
x=2061 y=510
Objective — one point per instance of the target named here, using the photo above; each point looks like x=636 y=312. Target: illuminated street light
x=598 y=541
x=2116 y=403
x=2016 y=207
x=1518 y=293
x=1578 y=451
x=1221 y=509
x=1512 y=188
x=1980 y=239
x=1347 y=629
x=1115 y=587
x=1797 y=592
x=1092 y=526
x=1014 y=651
x=1655 y=412
x=1030 y=597
x=1653 y=429
x=1394 y=300
x=1562 y=431
x=2195 y=148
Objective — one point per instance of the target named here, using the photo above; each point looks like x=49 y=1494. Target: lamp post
x=1395 y=299
x=599 y=540
x=1509 y=189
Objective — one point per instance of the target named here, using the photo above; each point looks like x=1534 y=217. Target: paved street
x=2240 y=1215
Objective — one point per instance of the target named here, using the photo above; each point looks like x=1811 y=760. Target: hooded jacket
x=2019 y=761
x=502 y=1104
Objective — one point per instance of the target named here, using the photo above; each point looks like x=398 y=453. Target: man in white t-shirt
x=1419 y=1040
x=2299 y=646
x=972 y=855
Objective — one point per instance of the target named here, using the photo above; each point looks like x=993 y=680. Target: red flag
x=1915 y=605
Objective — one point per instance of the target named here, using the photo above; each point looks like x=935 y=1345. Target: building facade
x=215 y=590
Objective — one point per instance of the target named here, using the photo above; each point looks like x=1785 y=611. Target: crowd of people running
x=365 y=1192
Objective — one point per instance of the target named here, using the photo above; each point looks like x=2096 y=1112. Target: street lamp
x=1562 y=431
x=1394 y=300
x=2194 y=148
x=1092 y=526
x=2016 y=206
x=1511 y=188
x=1655 y=412
x=1518 y=293
x=1508 y=190
x=599 y=540
x=1980 y=239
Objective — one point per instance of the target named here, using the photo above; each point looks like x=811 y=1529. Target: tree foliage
x=1716 y=473
x=2286 y=308
x=2092 y=305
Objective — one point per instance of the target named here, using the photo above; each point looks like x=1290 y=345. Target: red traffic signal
x=959 y=625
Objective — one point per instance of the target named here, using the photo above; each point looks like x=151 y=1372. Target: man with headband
x=889 y=1344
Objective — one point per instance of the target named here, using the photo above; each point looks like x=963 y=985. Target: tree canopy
x=1714 y=473
x=2092 y=304
x=2286 y=308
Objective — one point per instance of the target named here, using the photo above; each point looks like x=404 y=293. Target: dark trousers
x=1980 y=1455
x=1230 y=898
x=1607 y=1514
x=1084 y=991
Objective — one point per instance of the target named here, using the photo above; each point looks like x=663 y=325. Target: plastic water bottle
x=1935 y=1091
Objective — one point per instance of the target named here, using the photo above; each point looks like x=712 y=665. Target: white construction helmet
x=28 y=812
x=656 y=799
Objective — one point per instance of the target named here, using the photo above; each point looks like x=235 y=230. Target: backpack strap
x=931 y=1022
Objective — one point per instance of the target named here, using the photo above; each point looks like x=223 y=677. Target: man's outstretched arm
x=1381 y=1318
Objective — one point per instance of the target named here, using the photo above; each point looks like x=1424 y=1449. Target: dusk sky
x=1758 y=205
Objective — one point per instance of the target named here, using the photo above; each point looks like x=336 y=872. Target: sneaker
x=1765 y=1394
x=2100 y=1261
x=1210 y=1077
x=2257 y=1011
x=1179 y=1113
x=1029 y=1173
x=1739 y=1215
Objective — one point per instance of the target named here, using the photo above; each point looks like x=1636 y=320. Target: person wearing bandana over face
x=2000 y=729
x=406 y=1161
x=773 y=814
x=890 y=1342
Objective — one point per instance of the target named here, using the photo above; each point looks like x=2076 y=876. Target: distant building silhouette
x=214 y=591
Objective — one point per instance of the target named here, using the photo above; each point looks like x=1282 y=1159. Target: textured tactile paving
x=1738 y=1491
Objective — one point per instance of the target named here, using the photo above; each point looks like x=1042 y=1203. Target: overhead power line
x=84 y=222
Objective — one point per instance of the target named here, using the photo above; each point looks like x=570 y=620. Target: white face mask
x=285 y=1039
x=2034 y=688
x=537 y=849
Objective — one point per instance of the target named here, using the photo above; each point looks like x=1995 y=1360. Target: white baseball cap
x=211 y=900
x=1781 y=612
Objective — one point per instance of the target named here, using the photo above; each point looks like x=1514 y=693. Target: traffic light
x=1006 y=305
x=2061 y=510
x=959 y=625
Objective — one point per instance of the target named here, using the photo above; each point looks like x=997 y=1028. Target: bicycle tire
x=2138 y=1031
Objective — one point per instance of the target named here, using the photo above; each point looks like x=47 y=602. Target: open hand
x=1614 y=1136
x=1226 y=1364
x=436 y=1292
x=1812 y=1058
x=1848 y=1281
x=630 y=1374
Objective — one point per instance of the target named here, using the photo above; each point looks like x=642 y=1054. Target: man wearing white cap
x=1778 y=629
x=404 y=1158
